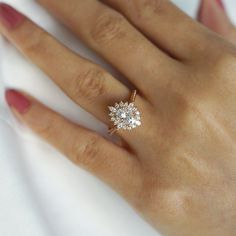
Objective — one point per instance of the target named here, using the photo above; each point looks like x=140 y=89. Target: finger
x=87 y=149
x=84 y=82
x=213 y=15
x=112 y=36
x=165 y=24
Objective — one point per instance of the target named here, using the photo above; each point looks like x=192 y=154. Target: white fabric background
x=41 y=193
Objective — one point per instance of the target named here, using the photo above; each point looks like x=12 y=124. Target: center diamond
x=125 y=115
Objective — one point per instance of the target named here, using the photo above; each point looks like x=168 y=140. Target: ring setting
x=125 y=115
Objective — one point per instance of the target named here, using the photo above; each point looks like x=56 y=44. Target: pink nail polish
x=17 y=101
x=9 y=17
x=221 y=4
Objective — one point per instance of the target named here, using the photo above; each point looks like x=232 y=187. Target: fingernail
x=220 y=4
x=200 y=10
x=9 y=17
x=17 y=101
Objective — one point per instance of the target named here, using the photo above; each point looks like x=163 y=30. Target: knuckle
x=172 y=203
x=147 y=9
x=155 y=6
x=46 y=127
x=36 y=43
x=86 y=155
x=227 y=58
x=88 y=84
x=108 y=26
x=178 y=203
x=224 y=62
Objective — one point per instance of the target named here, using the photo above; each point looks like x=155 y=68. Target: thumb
x=212 y=14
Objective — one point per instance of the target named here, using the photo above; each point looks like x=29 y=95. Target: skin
x=178 y=170
x=215 y=18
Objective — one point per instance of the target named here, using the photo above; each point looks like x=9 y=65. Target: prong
x=112 y=130
x=133 y=96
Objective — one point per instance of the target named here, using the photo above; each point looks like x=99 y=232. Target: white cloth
x=41 y=193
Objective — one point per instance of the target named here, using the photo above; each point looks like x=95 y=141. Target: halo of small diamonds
x=125 y=115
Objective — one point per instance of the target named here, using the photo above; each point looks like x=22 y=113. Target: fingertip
x=212 y=14
x=220 y=4
x=18 y=101
x=205 y=8
x=10 y=18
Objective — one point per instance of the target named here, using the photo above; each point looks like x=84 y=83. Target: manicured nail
x=9 y=17
x=17 y=101
x=221 y=4
x=200 y=10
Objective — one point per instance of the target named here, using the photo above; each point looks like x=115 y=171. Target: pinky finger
x=111 y=163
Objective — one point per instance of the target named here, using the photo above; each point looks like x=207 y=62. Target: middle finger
x=112 y=36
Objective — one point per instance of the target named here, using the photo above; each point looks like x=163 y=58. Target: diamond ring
x=125 y=115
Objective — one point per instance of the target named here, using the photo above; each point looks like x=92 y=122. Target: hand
x=179 y=168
